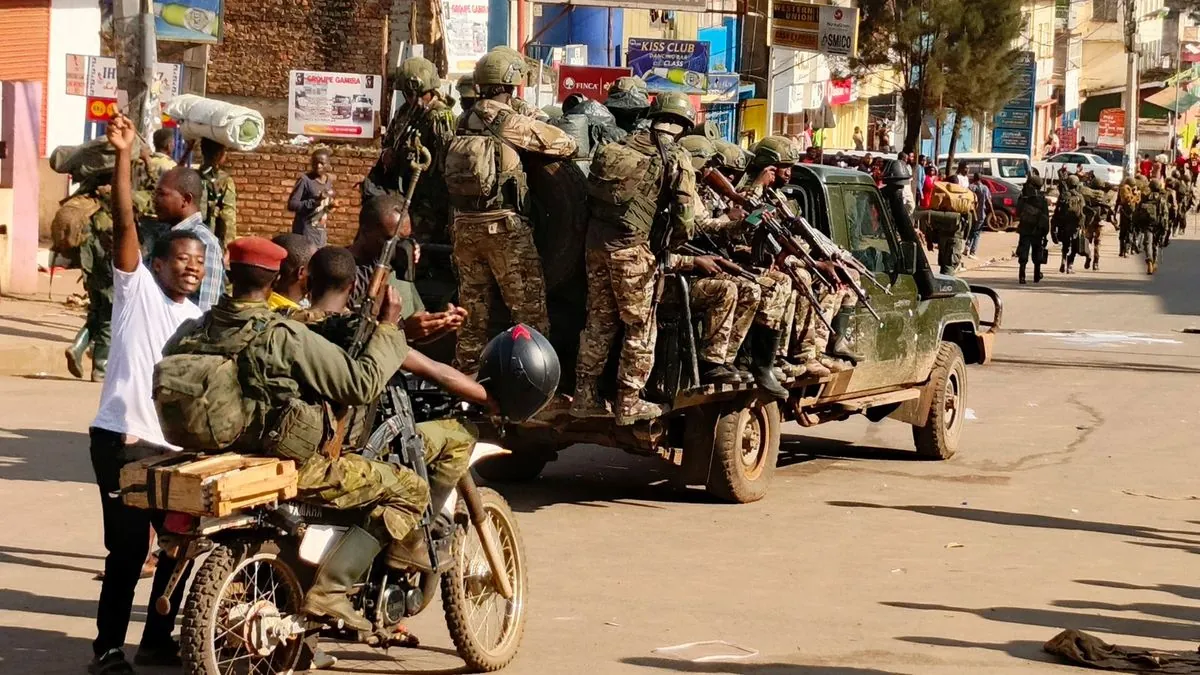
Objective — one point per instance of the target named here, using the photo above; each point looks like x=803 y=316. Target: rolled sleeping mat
x=233 y=126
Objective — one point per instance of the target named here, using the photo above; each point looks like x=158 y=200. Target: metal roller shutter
x=25 y=46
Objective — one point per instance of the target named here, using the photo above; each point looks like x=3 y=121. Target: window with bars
x=1106 y=10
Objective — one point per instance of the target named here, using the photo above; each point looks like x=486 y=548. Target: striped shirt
x=213 y=284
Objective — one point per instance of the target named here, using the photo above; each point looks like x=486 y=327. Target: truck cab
x=726 y=437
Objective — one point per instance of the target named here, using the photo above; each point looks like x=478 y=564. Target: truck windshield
x=870 y=240
x=1012 y=167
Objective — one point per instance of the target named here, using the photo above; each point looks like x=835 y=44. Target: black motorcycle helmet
x=895 y=171
x=520 y=370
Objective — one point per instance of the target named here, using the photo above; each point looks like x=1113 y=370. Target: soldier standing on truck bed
x=425 y=116
x=493 y=240
x=641 y=203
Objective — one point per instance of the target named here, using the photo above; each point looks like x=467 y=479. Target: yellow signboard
x=814 y=28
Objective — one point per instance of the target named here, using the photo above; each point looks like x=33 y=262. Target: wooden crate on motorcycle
x=214 y=485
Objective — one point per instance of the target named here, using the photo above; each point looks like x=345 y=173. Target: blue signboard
x=1013 y=124
x=670 y=65
x=194 y=21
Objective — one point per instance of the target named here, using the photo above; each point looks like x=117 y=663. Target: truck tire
x=744 y=451
x=938 y=439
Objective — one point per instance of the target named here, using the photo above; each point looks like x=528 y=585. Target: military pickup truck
x=726 y=437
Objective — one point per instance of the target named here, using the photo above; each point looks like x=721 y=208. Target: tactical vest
x=1150 y=213
x=624 y=185
x=482 y=170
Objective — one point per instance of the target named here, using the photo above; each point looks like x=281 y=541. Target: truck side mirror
x=908 y=257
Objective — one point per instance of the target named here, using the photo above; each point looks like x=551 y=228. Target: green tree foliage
x=934 y=45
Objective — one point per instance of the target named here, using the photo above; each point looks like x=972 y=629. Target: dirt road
x=1070 y=505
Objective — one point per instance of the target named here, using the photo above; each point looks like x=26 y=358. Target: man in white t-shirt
x=148 y=305
x=962 y=178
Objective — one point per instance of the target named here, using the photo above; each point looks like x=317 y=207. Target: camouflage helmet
x=729 y=155
x=628 y=93
x=466 y=87
x=417 y=76
x=700 y=148
x=1156 y=185
x=498 y=66
x=674 y=107
x=775 y=151
x=1073 y=182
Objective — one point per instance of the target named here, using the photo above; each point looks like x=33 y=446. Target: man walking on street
x=983 y=213
x=1033 y=227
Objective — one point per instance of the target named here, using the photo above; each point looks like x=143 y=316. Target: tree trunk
x=954 y=133
x=913 y=120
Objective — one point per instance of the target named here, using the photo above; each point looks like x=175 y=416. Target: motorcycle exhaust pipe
x=491 y=549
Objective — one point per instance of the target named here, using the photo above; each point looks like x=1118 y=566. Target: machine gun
x=369 y=307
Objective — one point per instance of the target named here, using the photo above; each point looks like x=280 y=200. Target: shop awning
x=1176 y=98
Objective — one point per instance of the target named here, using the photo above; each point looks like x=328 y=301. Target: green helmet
x=500 y=66
x=700 y=148
x=673 y=106
x=417 y=76
x=775 y=151
x=466 y=87
x=730 y=156
x=628 y=93
x=1073 y=182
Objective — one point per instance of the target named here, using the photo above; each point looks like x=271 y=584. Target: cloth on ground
x=1087 y=650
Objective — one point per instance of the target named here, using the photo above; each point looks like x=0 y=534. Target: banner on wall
x=814 y=28
x=669 y=65
x=194 y=21
x=333 y=105
x=466 y=33
x=1111 y=131
x=590 y=81
x=95 y=77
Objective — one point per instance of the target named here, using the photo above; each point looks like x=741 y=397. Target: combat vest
x=482 y=169
x=625 y=184
x=1150 y=213
x=212 y=392
x=1071 y=203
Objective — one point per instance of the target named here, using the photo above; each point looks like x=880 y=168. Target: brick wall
x=265 y=179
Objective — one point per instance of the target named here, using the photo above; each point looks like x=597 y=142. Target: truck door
x=865 y=229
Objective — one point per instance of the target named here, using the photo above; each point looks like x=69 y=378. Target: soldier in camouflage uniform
x=493 y=240
x=640 y=186
x=1151 y=221
x=95 y=262
x=629 y=101
x=468 y=94
x=1128 y=196
x=518 y=104
x=219 y=209
x=155 y=164
x=1095 y=210
x=425 y=116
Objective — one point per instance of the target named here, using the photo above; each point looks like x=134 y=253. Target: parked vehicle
x=1114 y=156
x=726 y=437
x=1073 y=161
x=1004 y=204
x=1011 y=167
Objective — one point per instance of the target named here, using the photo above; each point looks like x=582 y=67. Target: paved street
x=1071 y=504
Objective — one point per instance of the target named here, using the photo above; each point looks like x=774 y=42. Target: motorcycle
x=242 y=614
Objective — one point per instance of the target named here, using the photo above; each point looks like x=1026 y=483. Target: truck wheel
x=520 y=466
x=938 y=439
x=745 y=449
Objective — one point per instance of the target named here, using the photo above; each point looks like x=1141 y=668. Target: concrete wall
x=74 y=29
x=21 y=114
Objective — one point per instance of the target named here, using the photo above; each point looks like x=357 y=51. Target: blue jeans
x=973 y=241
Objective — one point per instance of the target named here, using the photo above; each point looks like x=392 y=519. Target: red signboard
x=1112 y=128
x=101 y=109
x=1068 y=139
x=591 y=81
x=841 y=92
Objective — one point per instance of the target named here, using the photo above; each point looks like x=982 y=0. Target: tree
x=948 y=54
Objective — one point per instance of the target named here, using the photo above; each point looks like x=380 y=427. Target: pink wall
x=19 y=129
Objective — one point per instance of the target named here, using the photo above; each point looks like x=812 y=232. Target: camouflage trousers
x=620 y=288
x=96 y=264
x=728 y=310
x=395 y=495
x=496 y=248
x=777 y=296
x=814 y=335
x=1091 y=232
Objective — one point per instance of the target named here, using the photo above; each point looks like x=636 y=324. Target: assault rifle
x=725 y=263
x=377 y=286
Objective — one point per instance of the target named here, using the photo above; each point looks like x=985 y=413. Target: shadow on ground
x=13 y=555
x=749 y=668
x=45 y=652
x=1027 y=650
x=797 y=449
x=40 y=454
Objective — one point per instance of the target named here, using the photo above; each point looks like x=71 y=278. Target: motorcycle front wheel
x=486 y=627
x=240 y=596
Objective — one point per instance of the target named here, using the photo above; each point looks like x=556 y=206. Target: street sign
x=1111 y=132
x=814 y=28
x=591 y=81
x=1013 y=125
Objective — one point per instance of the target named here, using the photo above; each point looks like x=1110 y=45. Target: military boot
x=1149 y=267
x=339 y=571
x=1021 y=275
x=835 y=365
x=99 y=368
x=1096 y=264
x=76 y=351
x=1087 y=263
x=1062 y=268
x=839 y=346
x=814 y=367
x=763 y=344
x=717 y=373
x=1037 y=273
x=413 y=552
x=791 y=370
x=587 y=401
x=632 y=408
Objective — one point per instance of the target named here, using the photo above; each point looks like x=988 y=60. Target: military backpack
x=474 y=170
x=1072 y=204
x=70 y=226
x=1149 y=213
x=626 y=184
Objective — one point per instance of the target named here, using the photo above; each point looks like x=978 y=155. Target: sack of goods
x=940 y=222
x=233 y=126
x=70 y=225
x=952 y=197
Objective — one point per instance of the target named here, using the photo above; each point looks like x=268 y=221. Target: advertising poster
x=1013 y=124
x=1111 y=132
x=334 y=105
x=77 y=75
x=195 y=21
x=96 y=78
x=670 y=65
x=466 y=33
x=1068 y=138
x=591 y=81
x=722 y=88
x=814 y=28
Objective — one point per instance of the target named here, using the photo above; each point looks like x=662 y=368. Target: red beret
x=256 y=251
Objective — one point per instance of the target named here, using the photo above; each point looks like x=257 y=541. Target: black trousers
x=1030 y=245
x=127 y=539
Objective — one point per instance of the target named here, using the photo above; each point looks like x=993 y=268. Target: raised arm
x=452 y=381
x=127 y=251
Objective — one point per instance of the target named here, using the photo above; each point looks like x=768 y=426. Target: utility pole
x=133 y=30
x=1132 y=102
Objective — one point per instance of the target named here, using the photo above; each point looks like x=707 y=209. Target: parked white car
x=1006 y=166
x=1073 y=161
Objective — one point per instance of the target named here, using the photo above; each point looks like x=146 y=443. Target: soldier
x=1033 y=227
x=155 y=164
x=641 y=187
x=628 y=101
x=294 y=372
x=425 y=117
x=493 y=241
x=1150 y=221
x=1128 y=196
x=219 y=209
x=467 y=93
x=1068 y=221
x=732 y=160
x=1095 y=210
x=518 y=104
x=95 y=262
x=1181 y=188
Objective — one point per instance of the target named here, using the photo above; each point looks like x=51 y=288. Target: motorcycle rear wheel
x=234 y=576
x=486 y=628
